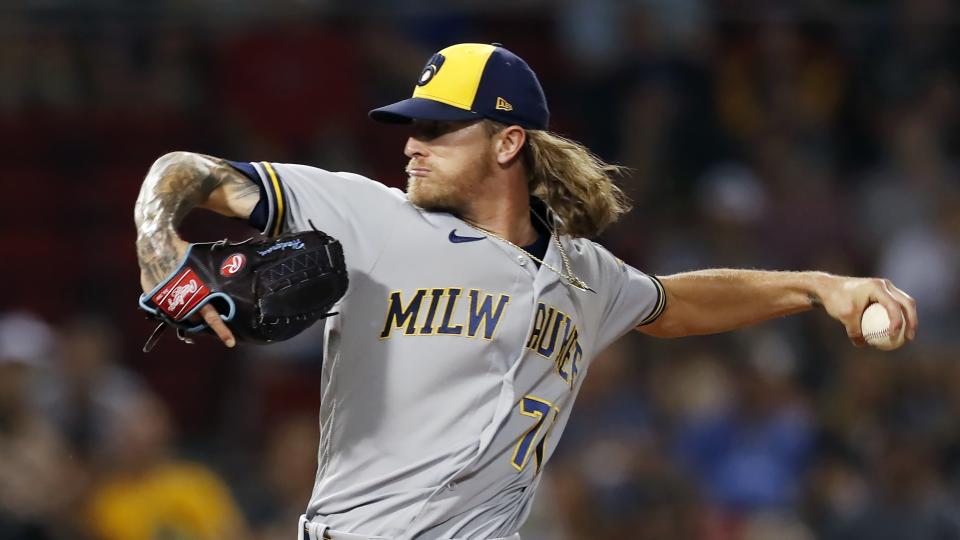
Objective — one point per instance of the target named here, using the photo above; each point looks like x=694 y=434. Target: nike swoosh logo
x=457 y=239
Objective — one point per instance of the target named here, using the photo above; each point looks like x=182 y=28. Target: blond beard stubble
x=451 y=194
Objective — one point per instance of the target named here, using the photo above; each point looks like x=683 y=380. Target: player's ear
x=507 y=143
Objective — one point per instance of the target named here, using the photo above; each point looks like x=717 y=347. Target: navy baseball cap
x=469 y=81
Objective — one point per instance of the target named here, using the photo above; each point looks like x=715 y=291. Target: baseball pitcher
x=476 y=299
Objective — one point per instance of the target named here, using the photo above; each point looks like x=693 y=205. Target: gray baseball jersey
x=452 y=367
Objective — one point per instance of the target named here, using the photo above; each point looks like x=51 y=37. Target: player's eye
x=426 y=130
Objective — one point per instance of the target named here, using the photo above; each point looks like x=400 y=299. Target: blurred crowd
x=88 y=450
x=781 y=135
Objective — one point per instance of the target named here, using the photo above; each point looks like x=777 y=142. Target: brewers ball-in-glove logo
x=265 y=289
x=433 y=66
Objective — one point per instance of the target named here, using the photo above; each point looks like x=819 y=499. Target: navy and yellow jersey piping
x=659 y=305
x=279 y=204
x=270 y=211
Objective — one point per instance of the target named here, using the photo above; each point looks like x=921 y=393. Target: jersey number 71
x=540 y=409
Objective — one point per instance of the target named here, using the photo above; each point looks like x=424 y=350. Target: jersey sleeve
x=353 y=209
x=631 y=298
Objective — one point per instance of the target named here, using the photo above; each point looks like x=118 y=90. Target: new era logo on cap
x=476 y=81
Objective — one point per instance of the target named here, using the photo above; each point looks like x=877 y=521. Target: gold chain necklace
x=567 y=275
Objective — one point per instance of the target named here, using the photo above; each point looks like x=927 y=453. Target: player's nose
x=414 y=148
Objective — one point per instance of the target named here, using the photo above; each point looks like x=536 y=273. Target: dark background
x=779 y=135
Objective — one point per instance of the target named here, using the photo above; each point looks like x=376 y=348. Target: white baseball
x=875 y=325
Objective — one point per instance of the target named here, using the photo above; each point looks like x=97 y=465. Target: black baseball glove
x=265 y=289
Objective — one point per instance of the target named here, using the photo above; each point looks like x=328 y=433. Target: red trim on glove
x=181 y=294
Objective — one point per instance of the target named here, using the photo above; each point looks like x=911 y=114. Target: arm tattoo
x=175 y=184
x=239 y=187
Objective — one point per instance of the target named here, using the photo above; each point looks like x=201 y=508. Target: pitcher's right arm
x=177 y=183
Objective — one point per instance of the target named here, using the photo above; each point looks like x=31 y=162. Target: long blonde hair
x=575 y=184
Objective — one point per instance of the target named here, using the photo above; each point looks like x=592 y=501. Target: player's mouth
x=417 y=171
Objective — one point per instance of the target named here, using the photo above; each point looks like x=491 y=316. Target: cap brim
x=408 y=110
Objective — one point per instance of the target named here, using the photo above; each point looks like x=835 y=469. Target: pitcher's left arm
x=719 y=300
